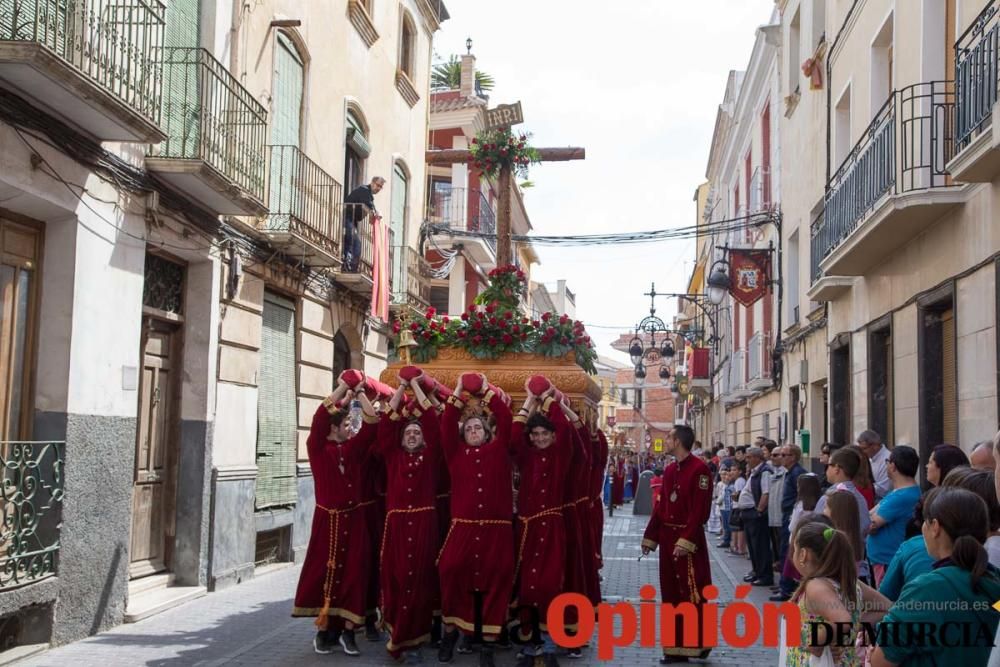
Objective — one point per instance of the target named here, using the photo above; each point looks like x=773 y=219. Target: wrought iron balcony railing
x=904 y=149
x=303 y=199
x=977 y=55
x=209 y=116
x=413 y=285
x=759 y=358
x=465 y=210
x=111 y=42
x=30 y=504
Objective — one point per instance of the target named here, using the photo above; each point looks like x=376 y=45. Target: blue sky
x=639 y=90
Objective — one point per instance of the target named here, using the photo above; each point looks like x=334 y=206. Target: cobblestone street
x=249 y=624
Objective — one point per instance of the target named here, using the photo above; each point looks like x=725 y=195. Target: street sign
x=504 y=115
x=658 y=445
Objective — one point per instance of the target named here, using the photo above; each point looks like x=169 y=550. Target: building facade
x=738 y=210
x=179 y=297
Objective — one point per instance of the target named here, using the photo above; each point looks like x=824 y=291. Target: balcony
x=90 y=63
x=305 y=208
x=736 y=388
x=31 y=502
x=358 y=273
x=759 y=362
x=214 y=151
x=411 y=279
x=977 y=130
x=823 y=288
x=893 y=184
x=464 y=210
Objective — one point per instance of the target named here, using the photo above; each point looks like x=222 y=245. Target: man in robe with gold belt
x=334 y=578
x=678 y=525
x=409 y=444
x=543 y=444
x=476 y=564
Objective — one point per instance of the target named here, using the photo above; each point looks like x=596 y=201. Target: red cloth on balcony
x=381 y=269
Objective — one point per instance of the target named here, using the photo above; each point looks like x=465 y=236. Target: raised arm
x=450 y=440
x=320 y=428
x=501 y=415
x=518 y=443
x=397 y=397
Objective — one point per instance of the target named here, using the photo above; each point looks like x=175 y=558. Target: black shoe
x=436 y=632
x=347 y=643
x=750 y=577
x=574 y=654
x=780 y=598
x=671 y=659
x=371 y=632
x=486 y=657
x=723 y=545
x=761 y=582
x=324 y=643
x=446 y=651
x=464 y=646
x=704 y=654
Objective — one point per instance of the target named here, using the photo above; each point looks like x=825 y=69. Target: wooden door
x=153 y=504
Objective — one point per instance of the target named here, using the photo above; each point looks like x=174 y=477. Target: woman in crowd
x=955 y=527
x=739 y=540
x=808 y=493
x=863 y=480
x=944 y=459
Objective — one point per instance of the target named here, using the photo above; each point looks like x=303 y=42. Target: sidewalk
x=249 y=624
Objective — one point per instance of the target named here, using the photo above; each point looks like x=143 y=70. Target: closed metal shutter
x=276 y=418
x=949 y=379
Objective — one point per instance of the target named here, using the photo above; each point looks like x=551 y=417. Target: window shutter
x=949 y=380
x=276 y=413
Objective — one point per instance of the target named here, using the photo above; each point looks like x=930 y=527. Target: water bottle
x=355 y=415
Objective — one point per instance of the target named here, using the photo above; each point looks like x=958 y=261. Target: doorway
x=155 y=481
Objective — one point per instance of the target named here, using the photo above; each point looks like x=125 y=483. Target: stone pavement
x=249 y=624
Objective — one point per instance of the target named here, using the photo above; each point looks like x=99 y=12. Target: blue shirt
x=791 y=491
x=911 y=561
x=896 y=508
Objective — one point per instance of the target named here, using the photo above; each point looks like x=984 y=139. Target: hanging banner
x=380 y=269
x=750 y=272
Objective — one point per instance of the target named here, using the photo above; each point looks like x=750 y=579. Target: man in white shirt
x=871 y=445
x=755 y=519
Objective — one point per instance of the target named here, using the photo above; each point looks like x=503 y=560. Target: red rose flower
x=431 y=312
x=465 y=316
x=524 y=320
x=474 y=141
x=564 y=340
x=550 y=331
x=445 y=320
x=427 y=335
x=524 y=336
x=476 y=340
x=490 y=308
x=492 y=342
x=508 y=315
x=414 y=326
x=477 y=325
x=586 y=339
x=536 y=323
x=516 y=329
x=434 y=326
x=546 y=317
x=508 y=339
x=493 y=320
x=461 y=334
x=563 y=319
x=395 y=327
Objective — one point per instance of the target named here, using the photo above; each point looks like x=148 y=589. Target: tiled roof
x=456 y=104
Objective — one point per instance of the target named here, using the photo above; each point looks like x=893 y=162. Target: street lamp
x=640 y=373
x=718 y=283
x=468 y=45
x=664 y=375
x=635 y=351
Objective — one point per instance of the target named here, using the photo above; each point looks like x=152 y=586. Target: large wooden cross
x=458 y=156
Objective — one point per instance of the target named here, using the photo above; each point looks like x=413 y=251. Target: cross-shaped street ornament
x=503 y=117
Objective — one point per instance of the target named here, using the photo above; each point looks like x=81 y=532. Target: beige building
x=177 y=297
x=905 y=252
x=611 y=393
x=737 y=209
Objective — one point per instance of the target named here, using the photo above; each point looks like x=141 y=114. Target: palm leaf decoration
x=448 y=76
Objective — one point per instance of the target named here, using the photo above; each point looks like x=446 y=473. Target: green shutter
x=182 y=75
x=276 y=413
x=285 y=124
x=397 y=223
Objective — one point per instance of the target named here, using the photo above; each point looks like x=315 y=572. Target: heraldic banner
x=750 y=272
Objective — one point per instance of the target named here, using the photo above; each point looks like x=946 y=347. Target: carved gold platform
x=510 y=372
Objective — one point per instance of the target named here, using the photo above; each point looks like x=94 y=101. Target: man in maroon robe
x=476 y=564
x=334 y=579
x=409 y=445
x=678 y=526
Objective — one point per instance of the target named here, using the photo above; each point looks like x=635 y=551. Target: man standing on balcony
x=358 y=206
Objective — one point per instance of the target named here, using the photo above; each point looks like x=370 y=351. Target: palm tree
x=448 y=76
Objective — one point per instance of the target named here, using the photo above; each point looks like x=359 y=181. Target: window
x=20 y=248
x=792 y=278
x=439 y=298
x=840 y=379
x=765 y=156
x=358 y=150
x=818 y=24
x=397 y=224
x=407 y=43
x=842 y=129
x=881 y=66
x=794 y=59
x=341 y=356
